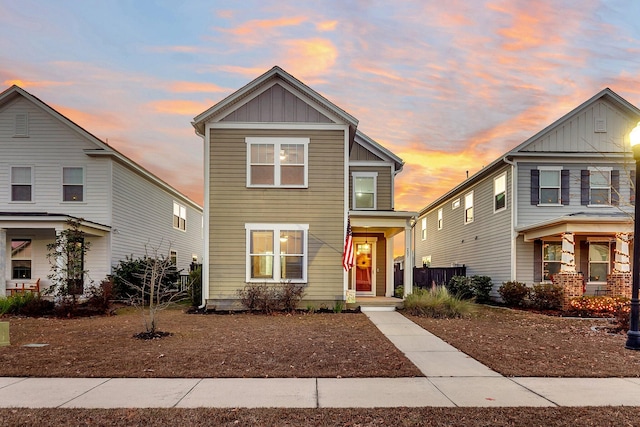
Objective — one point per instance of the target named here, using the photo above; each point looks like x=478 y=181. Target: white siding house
x=52 y=170
x=571 y=183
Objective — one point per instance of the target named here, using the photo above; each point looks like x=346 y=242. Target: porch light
x=633 y=335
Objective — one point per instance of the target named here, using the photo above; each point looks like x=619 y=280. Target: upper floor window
x=440 y=223
x=500 y=193
x=277 y=162
x=468 y=208
x=277 y=252
x=179 y=216
x=21 y=184
x=364 y=190
x=72 y=184
x=424 y=228
x=550 y=186
x=599 y=186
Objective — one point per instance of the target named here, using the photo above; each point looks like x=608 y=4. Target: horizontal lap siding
x=383 y=190
x=232 y=205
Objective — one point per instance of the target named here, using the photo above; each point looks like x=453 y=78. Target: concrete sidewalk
x=451 y=379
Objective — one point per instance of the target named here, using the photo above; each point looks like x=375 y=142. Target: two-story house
x=52 y=170
x=285 y=169
x=560 y=201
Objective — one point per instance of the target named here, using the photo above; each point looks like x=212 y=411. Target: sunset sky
x=446 y=85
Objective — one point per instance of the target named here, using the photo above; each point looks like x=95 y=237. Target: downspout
x=205 y=222
x=514 y=213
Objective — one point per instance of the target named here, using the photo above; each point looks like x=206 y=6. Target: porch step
x=377 y=308
x=376 y=304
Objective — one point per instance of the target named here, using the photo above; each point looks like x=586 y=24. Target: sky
x=447 y=86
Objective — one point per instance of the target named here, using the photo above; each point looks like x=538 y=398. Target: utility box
x=4 y=334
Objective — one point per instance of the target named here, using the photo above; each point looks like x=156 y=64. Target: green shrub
x=547 y=296
x=399 y=291
x=460 y=286
x=513 y=293
x=195 y=286
x=481 y=286
x=437 y=303
x=26 y=304
x=128 y=278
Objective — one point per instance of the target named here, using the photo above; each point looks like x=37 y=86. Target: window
x=424 y=228
x=21 y=129
x=455 y=204
x=440 y=219
x=21 y=184
x=364 y=190
x=550 y=186
x=173 y=257
x=277 y=162
x=598 y=261
x=426 y=261
x=468 y=208
x=72 y=184
x=599 y=186
x=289 y=241
x=551 y=259
x=21 y=259
x=500 y=193
x=179 y=216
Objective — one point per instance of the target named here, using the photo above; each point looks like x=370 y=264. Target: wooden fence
x=425 y=277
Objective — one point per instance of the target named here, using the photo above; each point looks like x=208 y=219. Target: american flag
x=348 y=260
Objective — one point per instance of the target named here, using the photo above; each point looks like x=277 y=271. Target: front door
x=364 y=273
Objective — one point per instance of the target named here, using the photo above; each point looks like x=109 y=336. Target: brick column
x=619 y=284
x=571 y=284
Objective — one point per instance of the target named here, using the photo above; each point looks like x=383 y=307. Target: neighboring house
x=52 y=170
x=570 y=184
x=285 y=168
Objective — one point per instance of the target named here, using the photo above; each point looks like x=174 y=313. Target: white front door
x=364 y=272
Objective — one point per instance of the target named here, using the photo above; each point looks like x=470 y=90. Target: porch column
x=408 y=261
x=568 y=260
x=3 y=261
x=621 y=262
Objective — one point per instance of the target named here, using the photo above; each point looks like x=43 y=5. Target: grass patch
x=438 y=303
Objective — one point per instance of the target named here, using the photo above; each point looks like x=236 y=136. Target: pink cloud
x=180 y=106
x=197 y=87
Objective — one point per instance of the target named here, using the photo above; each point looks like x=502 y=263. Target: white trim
x=540 y=186
x=423 y=228
x=371 y=163
x=373 y=175
x=345 y=200
x=440 y=219
x=277 y=142
x=455 y=204
x=32 y=183
x=466 y=208
x=601 y=170
x=275 y=126
x=181 y=209
x=373 y=242
x=16 y=128
x=495 y=179
x=276 y=228
x=84 y=184
x=206 y=241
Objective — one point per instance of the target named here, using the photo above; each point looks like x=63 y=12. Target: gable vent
x=22 y=124
x=600 y=125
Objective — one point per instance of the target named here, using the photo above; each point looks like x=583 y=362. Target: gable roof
x=102 y=148
x=520 y=150
x=379 y=150
x=258 y=83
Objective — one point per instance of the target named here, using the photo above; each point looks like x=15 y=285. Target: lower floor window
x=551 y=259
x=598 y=261
x=20 y=259
x=276 y=252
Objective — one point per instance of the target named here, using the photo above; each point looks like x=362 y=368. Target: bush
x=128 y=278
x=437 y=303
x=547 y=296
x=598 y=305
x=26 y=304
x=195 y=286
x=267 y=299
x=398 y=292
x=100 y=296
x=460 y=286
x=513 y=293
x=481 y=286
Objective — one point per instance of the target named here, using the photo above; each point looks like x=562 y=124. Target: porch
x=376 y=304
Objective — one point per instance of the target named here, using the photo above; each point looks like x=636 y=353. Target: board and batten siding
x=232 y=205
x=384 y=182
x=143 y=220
x=483 y=246
x=50 y=146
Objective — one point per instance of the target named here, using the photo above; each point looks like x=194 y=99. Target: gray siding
x=232 y=205
x=484 y=245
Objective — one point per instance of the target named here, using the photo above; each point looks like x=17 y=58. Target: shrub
x=37 y=306
x=481 y=287
x=128 y=277
x=547 y=296
x=399 y=291
x=437 y=303
x=460 y=286
x=26 y=304
x=267 y=299
x=598 y=305
x=100 y=296
x=513 y=293
x=622 y=315
x=195 y=286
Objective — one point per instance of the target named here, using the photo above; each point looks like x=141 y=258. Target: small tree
x=66 y=256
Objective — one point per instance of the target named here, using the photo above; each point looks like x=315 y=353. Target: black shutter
x=535 y=186
x=537 y=261
x=615 y=187
x=564 y=186
x=632 y=195
x=584 y=187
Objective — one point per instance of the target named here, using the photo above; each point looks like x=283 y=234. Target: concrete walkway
x=451 y=379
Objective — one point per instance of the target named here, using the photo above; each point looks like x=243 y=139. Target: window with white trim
x=179 y=216
x=72 y=184
x=20 y=259
x=599 y=253
x=500 y=193
x=550 y=185
x=423 y=229
x=599 y=186
x=173 y=257
x=276 y=252
x=455 y=204
x=551 y=259
x=468 y=208
x=277 y=162
x=21 y=184
x=364 y=190
x=440 y=222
